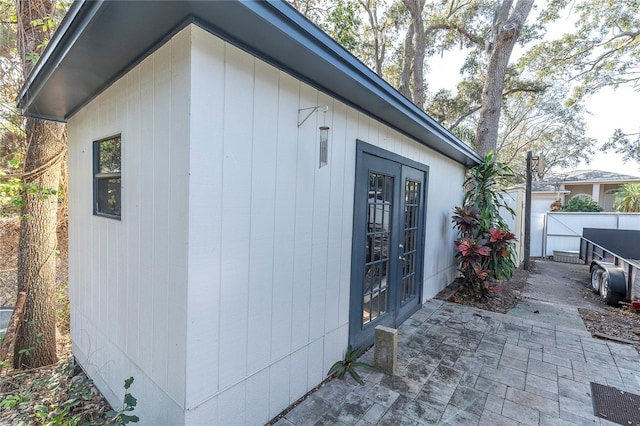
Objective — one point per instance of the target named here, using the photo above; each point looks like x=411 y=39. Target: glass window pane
x=109 y=196
x=110 y=155
x=107 y=177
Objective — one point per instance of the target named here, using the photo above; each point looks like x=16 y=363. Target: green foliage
x=483 y=191
x=577 y=204
x=343 y=24
x=535 y=113
x=481 y=256
x=601 y=50
x=540 y=122
x=349 y=365
x=18 y=400
x=625 y=144
x=53 y=415
x=121 y=417
x=12 y=191
x=62 y=413
x=55 y=399
x=485 y=249
x=628 y=198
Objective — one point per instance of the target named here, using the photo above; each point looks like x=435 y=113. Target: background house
x=563 y=232
x=597 y=185
x=220 y=252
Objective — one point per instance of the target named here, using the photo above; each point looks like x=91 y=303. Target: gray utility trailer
x=612 y=255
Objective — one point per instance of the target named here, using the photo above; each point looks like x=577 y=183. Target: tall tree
x=540 y=122
x=377 y=30
x=602 y=51
x=35 y=344
x=478 y=27
x=506 y=30
x=417 y=49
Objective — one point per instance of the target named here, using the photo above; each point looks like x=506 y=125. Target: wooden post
x=527 y=216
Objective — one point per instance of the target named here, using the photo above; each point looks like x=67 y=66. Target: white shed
x=213 y=255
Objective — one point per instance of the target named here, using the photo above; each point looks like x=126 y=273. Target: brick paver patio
x=464 y=366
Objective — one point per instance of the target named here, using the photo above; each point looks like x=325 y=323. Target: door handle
x=401 y=258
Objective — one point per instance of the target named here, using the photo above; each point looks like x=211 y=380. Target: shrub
x=581 y=205
x=628 y=198
x=484 y=250
x=481 y=256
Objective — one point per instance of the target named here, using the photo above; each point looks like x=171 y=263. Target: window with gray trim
x=106 y=177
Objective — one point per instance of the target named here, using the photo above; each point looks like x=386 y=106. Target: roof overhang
x=99 y=41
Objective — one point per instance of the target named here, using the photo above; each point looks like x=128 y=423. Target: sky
x=613 y=109
x=610 y=109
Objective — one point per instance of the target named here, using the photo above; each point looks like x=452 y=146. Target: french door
x=388 y=245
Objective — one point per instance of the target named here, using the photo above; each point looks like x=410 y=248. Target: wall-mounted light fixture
x=323 y=157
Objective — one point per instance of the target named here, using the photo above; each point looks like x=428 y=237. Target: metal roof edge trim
x=284 y=18
x=143 y=55
x=76 y=19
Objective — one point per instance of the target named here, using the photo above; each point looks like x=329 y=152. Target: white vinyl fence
x=515 y=200
x=562 y=230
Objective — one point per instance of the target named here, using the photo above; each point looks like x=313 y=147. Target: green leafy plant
x=628 y=198
x=12 y=191
x=349 y=365
x=121 y=417
x=481 y=256
x=577 y=204
x=15 y=400
x=25 y=352
x=483 y=191
x=54 y=415
x=64 y=398
x=485 y=249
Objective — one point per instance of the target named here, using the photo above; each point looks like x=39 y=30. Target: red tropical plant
x=481 y=256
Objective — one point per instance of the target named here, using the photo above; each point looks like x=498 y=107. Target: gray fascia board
x=74 y=22
x=327 y=66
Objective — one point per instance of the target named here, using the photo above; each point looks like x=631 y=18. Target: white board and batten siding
x=128 y=278
x=228 y=278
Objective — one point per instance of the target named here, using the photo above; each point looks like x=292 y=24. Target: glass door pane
x=409 y=247
x=377 y=253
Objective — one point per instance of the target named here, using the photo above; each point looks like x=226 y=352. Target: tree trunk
x=506 y=32
x=407 y=61
x=37 y=248
x=379 y=48
x=415 y=8
x=35 y=344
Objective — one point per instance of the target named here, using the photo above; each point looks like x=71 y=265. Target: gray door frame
x=370 y=158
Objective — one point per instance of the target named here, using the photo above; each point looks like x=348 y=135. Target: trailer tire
x=596 y=278
x=608 y=296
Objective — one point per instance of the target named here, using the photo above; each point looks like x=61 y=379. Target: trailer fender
x=617 y=280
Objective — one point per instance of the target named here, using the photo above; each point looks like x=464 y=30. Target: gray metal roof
x=99 y=41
